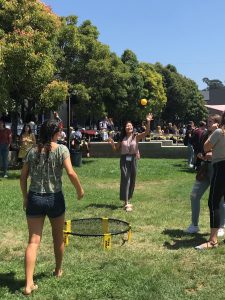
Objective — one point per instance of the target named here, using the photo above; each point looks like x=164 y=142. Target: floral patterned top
x=46 y=174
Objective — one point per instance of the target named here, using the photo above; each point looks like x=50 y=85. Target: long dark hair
x=123 y=131
x=47 y=131
x=23 y=130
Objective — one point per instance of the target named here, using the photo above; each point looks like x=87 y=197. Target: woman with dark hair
x=27 y=140
x=44 y=164
x=128 y=146
x=216 y=144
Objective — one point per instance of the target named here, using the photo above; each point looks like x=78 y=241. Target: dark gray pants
x=128 y=176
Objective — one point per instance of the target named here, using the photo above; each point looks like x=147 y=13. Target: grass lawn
x=160 y=262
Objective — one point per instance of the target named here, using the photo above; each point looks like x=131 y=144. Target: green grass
x=160 y=262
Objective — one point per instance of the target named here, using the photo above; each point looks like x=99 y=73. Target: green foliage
x=37 y=49
x=153 y=88
x=184 y=101
x=28 y=47
x=54 y=94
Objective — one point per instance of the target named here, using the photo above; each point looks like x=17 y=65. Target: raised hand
x=149 y=117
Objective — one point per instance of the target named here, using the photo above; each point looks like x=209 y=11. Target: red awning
x=217 y=107
x=89 y=131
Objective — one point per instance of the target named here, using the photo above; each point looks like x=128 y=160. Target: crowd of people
x=44 y=159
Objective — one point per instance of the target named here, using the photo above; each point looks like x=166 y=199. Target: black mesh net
x=98 y=226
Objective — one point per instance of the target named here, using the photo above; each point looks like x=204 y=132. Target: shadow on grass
x=11 y=174
x=87 y=161
x=110 y=206
x=182 y=168
x=188 y=240
x=13 y=284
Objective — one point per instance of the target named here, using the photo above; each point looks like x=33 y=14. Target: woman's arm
x=23 y=183
x=33 y=139
x=142 y=135
x=115 y=147
x=207 y=146
x=73 y=177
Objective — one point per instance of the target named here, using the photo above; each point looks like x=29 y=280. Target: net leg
x=107 y=241
x=67 y=231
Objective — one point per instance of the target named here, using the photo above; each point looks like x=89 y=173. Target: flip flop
x=58 y=275
x=207 y=245
x=128 y=207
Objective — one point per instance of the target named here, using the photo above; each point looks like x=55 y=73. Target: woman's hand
x=110 y=140
x=80 y=194
x=149 y=117
x=25 y=200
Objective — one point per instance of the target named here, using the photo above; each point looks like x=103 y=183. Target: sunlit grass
x=160 y=261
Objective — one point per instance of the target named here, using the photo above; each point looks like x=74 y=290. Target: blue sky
x=189 y=34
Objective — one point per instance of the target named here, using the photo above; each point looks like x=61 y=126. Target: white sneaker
x=192 y=229
x=5 y=176
x=220 y=232
x=191 y=166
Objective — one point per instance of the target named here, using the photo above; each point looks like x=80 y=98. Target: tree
x=184 y=101
x=213 y=84
x=153 y=88
x=28 y=45
x=97 y=77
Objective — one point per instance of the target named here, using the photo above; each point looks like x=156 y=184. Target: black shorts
x=48 y=204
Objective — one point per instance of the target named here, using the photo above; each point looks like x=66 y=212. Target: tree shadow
x=13 y=284
x=87 y=161
x=181 y=239
x=9 y=280
x=12 y=176
x=183 y=168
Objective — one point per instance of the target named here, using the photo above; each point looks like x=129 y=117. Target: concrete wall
x=147 y=149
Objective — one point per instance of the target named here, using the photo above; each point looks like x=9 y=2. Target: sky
x=189 y=34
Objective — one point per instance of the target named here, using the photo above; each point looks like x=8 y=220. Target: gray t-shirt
x=217 y=139
x=46 y=174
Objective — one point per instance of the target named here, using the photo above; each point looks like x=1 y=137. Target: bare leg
x=57 y=234
x=213 y=235
x=35 y=227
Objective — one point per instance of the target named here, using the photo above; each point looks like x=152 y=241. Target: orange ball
x=144 y=102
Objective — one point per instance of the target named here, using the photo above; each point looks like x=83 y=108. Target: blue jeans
x=4 y=152
x=197 y=192
x=191 y=155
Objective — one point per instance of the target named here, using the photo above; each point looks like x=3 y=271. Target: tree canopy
x=44 y=57
x=29 y=32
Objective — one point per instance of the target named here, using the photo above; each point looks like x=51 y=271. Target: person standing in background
x=200 y=186
x=128 y=146
x=27 y=140
x=5 y=141
x=216 y=144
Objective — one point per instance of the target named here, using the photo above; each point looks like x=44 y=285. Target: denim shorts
x=49 y=204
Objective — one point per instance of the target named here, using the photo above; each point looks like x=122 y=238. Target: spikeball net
x=97 y=227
